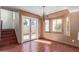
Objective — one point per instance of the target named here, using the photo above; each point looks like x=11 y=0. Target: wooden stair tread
x=8 y=37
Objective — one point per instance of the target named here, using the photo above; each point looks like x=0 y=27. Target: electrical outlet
x=73 y=41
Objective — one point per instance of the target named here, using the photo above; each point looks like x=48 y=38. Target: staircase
x=8 y=37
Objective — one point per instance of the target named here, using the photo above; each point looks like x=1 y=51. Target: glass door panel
x=26 y=28
x=33 y=29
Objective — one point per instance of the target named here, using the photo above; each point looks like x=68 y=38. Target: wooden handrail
x=0 y=28
x=1 y=25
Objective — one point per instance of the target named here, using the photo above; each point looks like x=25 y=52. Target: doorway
x=29 y=28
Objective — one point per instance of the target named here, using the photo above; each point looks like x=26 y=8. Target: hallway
x=39 y=46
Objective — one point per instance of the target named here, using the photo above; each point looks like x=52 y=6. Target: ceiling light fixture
x=43 y=12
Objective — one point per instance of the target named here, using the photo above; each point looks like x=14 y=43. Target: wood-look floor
x=39 y=46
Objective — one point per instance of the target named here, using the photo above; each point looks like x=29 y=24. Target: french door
x=29 y=28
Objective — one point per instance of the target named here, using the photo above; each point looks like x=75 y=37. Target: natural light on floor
x=44 y=41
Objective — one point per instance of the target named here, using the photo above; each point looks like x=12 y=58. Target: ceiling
x=48 y=9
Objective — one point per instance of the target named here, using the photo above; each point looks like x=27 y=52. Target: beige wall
x=39 y=28
x=74 y=28
x=61 y=37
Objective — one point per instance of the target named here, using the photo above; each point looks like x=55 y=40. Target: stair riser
x=8 y=37
x=3 y=33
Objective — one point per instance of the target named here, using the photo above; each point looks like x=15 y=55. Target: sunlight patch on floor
x=44 y=41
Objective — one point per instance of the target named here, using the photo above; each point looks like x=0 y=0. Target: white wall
x=7 y=18
x=0 y=19
x=18 y=27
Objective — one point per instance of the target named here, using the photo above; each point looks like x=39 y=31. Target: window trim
x=61 y=27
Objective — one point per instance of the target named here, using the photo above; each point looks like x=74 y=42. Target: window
x=57 y=25
x=47 y=25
